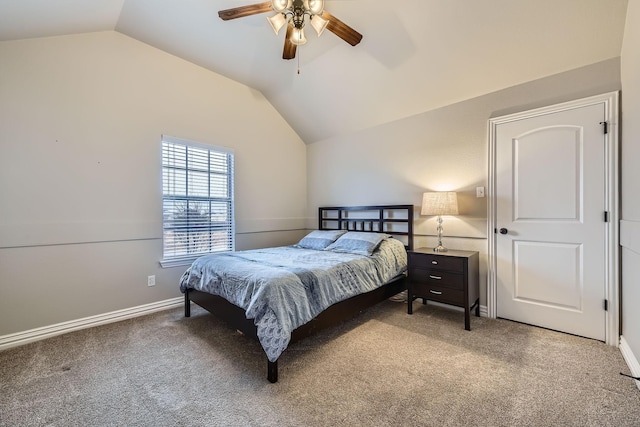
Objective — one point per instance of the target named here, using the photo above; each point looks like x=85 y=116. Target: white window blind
x=197 y=200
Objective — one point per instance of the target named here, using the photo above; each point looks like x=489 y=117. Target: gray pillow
x=319 y=239
x=358 y=242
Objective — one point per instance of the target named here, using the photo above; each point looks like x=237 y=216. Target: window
x=197 y=200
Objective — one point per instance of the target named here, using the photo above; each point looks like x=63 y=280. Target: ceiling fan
x=294 y=14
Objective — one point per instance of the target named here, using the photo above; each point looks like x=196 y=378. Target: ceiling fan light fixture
x=297 y=37
x=281 y=5
x=294 y=14
x=314 y=6
x=319 y=24
x=277 y=22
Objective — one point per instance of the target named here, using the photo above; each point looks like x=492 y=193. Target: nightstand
x=447 y=277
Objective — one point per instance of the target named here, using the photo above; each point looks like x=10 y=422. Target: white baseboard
x=483 y=311
x=21 y=338
x=630 y=358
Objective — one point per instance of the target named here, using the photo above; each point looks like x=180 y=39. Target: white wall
x=443 y=149
x=630 y=155
x=81 y=119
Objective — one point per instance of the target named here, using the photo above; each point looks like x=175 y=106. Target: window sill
x=177 y=262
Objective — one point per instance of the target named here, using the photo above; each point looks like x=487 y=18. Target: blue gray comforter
x=285 y=287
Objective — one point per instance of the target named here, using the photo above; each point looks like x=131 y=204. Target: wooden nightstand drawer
x=436 y=293
x=437 y=261
x=437 y=278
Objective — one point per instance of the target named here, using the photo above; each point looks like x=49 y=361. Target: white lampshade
x=440 y=203
x=277 y=21
x=280 y=5
x=314 y=6
x=318 y=24
x=297 y=37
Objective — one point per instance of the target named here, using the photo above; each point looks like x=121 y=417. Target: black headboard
x=396 y=220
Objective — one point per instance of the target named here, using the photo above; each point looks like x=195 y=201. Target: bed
x=355 y=259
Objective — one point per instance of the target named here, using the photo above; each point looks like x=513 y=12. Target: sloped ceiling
x=416 y=55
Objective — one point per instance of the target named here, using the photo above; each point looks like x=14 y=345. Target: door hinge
x=606 y=216
x=606 y=305
x=605 y=126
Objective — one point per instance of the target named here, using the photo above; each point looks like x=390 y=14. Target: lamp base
x=440 y=248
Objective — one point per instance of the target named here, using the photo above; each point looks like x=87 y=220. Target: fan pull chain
x=298 y=59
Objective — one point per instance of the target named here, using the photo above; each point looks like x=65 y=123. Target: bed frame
x=396 y=220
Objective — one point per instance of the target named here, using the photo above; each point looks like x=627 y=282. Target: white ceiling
x=416 y=55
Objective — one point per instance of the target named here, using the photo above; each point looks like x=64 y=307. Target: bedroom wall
x=443 y=149
x=630 y=179
x=81 y=119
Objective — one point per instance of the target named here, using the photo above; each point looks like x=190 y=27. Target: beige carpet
x=383 y=368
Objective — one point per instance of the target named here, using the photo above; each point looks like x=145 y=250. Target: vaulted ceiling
x=416 y=55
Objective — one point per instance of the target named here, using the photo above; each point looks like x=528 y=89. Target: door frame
x=612 y=249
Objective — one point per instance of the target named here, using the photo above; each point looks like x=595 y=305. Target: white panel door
x=550 y=204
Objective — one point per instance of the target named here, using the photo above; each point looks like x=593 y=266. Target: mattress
x=285 y=287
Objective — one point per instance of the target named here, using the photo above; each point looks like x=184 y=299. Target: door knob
x=503 y=231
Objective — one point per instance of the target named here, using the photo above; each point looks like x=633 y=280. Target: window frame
x=228 y=224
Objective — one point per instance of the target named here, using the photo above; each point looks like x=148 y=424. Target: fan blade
x=289 y=51
x=341 y=29
x=242 y=11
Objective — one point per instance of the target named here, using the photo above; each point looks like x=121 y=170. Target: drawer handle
x=434 y=262
x=435 y=277
x=435 y=292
